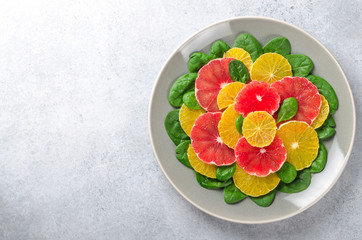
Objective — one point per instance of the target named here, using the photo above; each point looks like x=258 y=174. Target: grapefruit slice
x=270 y=67
x=188 y=117
x=257 y=96
x=210 y=80
x=308 y=98
x=252 y=185
x=227 y=127
x=259 y=129
x=260 y=161
x=241 y=55
x=208 y=170
x=301 y=142
x=323 y=114
x=227 y=94
x=207 y=143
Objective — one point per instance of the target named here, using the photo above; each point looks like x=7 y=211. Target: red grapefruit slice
x=260 y=161
x=309 y=100
x=207 y=143
x=210 y=79
x=257 y=96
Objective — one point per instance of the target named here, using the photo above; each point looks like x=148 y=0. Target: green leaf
x=301 y=64
x=239 y=124
x=173 y=127
x=181 y=153
x=301 y=182
x=280 y=45
x=329 y=121
x=232 y=194
x=238 y=71
x=249 y=44
x=327 y=91
x=182 y=85
x=224 y=173
x=218 y=49
x=288 y=109
x=287 y=173
x=198 y=60
x=320 y=162
x=325 y=132
x=190 y=101
x=211 y=183
x=265 y=200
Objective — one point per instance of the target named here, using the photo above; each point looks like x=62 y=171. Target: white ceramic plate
x=211 y=201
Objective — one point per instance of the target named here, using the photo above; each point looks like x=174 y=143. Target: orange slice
x=227 y=127
x=241 y=55
x=323 y=114
x=252 y=185
x=301 y=142
x=227 y=94
x=270 y=67
x=188 y=117
x=259 y=128
x=208 y=170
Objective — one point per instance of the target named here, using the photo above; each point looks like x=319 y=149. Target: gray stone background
x=75 y=155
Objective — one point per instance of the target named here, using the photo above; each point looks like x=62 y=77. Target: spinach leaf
x=190 y=101
x=288 y=109
x=182 y=85
x=320 y=162
x=325 y=132
x=211 y=183
x=301 y=64
x=265 y=200
x=327 y=91
x=218 y=49
x=173 y=127
x=239 y=124
x=224 y=173
x=238 y=71
x=198 y=60
x=181 y=153
x=232 y=194
x=249 y=44
x=287 y=173
x=301 y=182
x=329 y=121
x=280 y=45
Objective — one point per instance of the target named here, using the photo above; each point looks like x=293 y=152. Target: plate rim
x=188 y=39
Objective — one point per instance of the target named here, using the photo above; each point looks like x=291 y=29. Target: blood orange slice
x=309 y=100
x=210 y=80
x=207 y=143
x=260 y=161
x=257 y=96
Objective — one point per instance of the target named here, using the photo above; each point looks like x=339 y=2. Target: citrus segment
x=199 y=166
x=301 y=142
x=241 y=55
x=207 y=143
x=260 y=161
x=307 y=95
x=252 y=185
x=188 y=117
x=257 y=96
x=210 y=80
x=227 y=94
x=227 y=127
x=259 y=129
x=270 y=67
x=323 y=114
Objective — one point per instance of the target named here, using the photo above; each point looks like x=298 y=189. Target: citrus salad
x=251 y=119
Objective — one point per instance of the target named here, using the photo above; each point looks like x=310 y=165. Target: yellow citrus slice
x=252 y=185
x=241 y=55
x=301 y=142
x=227 y=94
x=323 y=114
x=188 y=117
x=270 y=67
x=208 y=170
x=227 y=128
x=259 y=128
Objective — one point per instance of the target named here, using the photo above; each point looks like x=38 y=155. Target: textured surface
x=75 y=156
